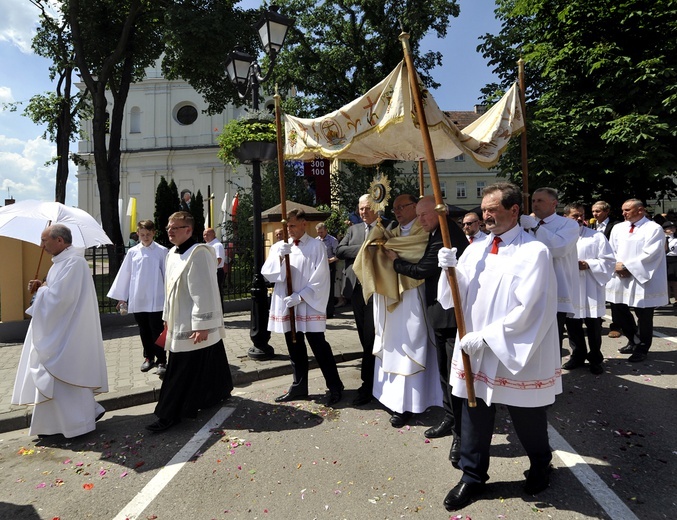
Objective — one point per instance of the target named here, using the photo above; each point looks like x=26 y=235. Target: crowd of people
x=398 y=279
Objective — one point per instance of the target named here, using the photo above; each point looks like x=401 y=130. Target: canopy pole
x=441 y=209
x=523 y=141
x=421 y=184
x=283 y=206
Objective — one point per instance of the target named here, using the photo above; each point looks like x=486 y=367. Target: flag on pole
x=131 y=213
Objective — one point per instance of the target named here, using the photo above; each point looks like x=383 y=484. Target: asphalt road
x=614 y=438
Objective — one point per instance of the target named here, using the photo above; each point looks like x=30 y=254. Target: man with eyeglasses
x=471 y=228
x=198 y=375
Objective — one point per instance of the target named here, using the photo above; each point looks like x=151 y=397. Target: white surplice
x=310 y=278
x=62 y=364
x=511 y=299
x=141 y=279
x=595 y=250
x=643 y=254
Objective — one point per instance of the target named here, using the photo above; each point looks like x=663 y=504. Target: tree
x=166 y=203
x=336 y=50
x=197 y=209
x=602 y=94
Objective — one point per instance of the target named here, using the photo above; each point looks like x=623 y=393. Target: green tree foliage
x=338 y=50
x=601 y=94
x=166 y=203
x=197 y=209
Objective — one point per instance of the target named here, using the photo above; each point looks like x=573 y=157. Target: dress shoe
x=455 y=451
x=261 y=354
x=162 y=424
x=397 y=420
x=637 y=355
x=363 y=397
x=573 y=364
x=99 y=416
x=596 y=368
x=334 y=397
x=462 y=494
x=627 y=349
x=161 y=370
x=441 y=430
x=537 y=481
x=147 y=365
x=291 y=395
x=615 y=334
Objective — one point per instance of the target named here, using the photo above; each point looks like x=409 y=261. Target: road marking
x=603 y=495
x=143 y=499
x=657 y=334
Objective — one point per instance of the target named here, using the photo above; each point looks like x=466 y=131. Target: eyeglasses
x=174 y=228
x=470 y=223
x=400 y=208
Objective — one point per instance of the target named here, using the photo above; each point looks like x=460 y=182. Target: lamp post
x=245 y=72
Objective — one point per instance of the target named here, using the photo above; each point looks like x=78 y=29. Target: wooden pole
x=421 y=184
x=441 y=209
x=523 y=142
x=283 y=205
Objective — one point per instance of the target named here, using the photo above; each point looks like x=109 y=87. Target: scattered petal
x=41 y=485
x=88 y=486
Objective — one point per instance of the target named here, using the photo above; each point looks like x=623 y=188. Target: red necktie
x=297 y=242
x=494 y=245
x=470 y=239
x=632 y=228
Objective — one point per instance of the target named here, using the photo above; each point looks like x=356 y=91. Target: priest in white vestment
x=140 y=283
x=310 y=286
x=640 y=278
x=509 y=295
x=406 y=377
x=596 y=263
x=62 y=363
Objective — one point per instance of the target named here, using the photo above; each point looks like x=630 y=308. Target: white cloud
x=17 y=23
x=6 y=95
x=23 y=174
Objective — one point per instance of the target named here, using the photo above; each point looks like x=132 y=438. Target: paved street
x=614 y=438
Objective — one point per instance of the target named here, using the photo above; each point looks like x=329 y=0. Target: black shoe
x=462 y=494
x=627 y=349
x=596 y=368
x=334 y=397
x=261 y=354
x=441 y=430
x=573 y=364
x=161 y=370
x=537 y=481
x=162 y=424
x=100 y=416
x=455 y=451
x=397 y=420
x=291 y=395
x=147 y=365
x=637 y=355
x=362 y=398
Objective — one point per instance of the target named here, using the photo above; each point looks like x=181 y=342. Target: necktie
x=470 y=239
x=541 y=222
x=367 y=229
x=494 y=245
x=632 y=228
x=297 y=242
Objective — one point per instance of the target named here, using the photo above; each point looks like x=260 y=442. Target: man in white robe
x=560 y=234
x=509 y=296
x=309 y=271
x=62 y=363
x=140 y=283
x=640 y=277
x=596 y=264
x=198 y=375
x=406 y=378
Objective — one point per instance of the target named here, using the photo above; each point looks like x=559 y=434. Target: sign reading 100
x=318 y=167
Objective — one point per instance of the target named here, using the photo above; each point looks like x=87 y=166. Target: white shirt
x=594 y=249
x=220 y=252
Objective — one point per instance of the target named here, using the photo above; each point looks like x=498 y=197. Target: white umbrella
x=26 y=220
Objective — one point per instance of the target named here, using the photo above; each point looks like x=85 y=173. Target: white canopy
x=382 y=125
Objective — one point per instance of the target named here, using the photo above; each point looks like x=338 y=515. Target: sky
x=24 y=152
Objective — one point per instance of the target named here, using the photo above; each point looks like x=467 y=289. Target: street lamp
x=245 y=72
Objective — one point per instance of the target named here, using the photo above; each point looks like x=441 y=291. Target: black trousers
x=453 y=406
x=641 y=329
x=332 y=279
x=364 y=320
x=150 y=327
x=221 y=280
x=561 y=322
x=579 y=352
x=477 y=426
x=298 y=354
